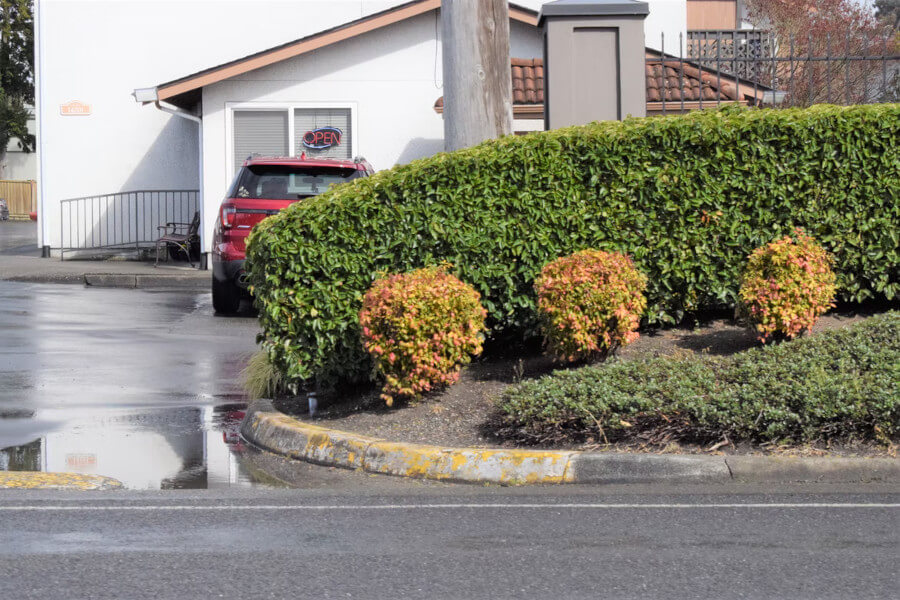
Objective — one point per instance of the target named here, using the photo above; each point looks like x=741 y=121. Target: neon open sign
x=322 y=138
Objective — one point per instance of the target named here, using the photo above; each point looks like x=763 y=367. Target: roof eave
x=171 y=89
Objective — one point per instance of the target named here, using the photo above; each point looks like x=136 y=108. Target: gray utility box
x=594 y=58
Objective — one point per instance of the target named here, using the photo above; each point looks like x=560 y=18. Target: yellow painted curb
x=37 y=480
x=508 y=467
x=278 y=433
x=289 y=437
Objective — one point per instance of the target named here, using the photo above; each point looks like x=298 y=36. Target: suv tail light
x=228 y=216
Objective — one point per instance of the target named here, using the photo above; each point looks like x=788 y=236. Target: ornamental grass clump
x=421 y=328
x=786 y=286
x=590 y=303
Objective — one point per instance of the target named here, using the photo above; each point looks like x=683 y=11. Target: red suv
x=263 y=186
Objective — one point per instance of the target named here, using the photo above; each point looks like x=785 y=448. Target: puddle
x=142 y=386
x=146 y=449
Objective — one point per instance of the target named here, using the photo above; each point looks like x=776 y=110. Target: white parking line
x=389 y=507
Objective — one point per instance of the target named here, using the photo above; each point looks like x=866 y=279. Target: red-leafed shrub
x=420 y=328
x=786 y=285
x=590 y=303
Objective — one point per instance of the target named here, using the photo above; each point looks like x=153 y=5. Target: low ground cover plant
x=688 y=197
x=590 y=303
x=786 y=286
x=420 y=329
x=836 y=385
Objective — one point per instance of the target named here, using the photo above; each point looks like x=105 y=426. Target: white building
x=19 y=165
x=219 y=79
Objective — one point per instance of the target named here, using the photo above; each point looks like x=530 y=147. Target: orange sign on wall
x=81 y=461
x=74 y=109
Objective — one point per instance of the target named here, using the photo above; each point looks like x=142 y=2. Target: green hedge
x=838 y=384
x=688 y=197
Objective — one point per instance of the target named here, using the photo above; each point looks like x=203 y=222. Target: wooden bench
x=180 y=235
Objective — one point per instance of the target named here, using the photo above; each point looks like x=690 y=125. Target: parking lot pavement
x=139 y=385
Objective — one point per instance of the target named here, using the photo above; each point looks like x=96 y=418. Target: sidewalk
x=103 y=273
x=20 y=260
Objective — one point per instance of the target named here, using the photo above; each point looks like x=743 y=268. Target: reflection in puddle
x=163 y=448
x=26 y=457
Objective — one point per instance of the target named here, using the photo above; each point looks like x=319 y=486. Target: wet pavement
x=19 y=238
x=139 y=385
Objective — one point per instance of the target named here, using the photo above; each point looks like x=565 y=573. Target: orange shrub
x=786 y=286
x=420 y=328
x=590 y=303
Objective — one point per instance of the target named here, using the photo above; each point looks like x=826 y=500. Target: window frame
x=232 y=107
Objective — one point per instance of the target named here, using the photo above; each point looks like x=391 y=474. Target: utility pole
x=477 y=79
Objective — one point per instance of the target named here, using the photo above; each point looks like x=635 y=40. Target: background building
x=97 y=144
x=19 y=165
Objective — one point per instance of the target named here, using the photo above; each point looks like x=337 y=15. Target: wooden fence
x=21 y=197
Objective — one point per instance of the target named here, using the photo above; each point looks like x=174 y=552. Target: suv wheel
x=226 y=297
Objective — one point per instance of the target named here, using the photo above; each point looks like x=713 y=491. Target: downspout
x=40 y=98
x=147 y=95
x=178 y=112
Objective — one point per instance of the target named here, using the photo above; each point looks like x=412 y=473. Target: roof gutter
x=178 y=112
x=148 y=95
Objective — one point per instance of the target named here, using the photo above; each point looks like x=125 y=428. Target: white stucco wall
x=99 y=51
x=390 y=77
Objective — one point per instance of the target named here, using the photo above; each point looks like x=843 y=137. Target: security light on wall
x=145 y=94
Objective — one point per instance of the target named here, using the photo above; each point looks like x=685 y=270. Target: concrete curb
x=37 y=480
x=276 y=432
x=167 y=280
x=775 y=469
x=48 y=278
x=191 y=282
x=284 y=435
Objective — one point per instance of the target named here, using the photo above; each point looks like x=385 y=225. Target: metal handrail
x=122 y=221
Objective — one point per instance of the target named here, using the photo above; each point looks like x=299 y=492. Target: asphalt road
x=453 y=542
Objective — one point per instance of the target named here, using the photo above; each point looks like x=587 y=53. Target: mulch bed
x=464 y=414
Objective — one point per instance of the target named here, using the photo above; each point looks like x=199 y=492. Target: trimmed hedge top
x=687 y=197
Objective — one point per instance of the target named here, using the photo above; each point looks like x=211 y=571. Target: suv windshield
x=277 y=182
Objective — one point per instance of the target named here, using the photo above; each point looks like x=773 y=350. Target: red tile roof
x=679 y=80
x=669 y=75
x=528 y=80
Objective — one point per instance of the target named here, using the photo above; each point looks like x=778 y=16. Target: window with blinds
x=310 y=119
x=263 y=132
